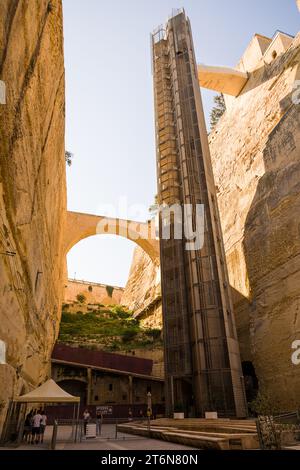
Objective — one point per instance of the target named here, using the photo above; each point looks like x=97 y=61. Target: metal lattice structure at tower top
x=202 y=360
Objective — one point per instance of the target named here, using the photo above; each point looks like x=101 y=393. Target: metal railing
x=270 y=429
x=105 y=429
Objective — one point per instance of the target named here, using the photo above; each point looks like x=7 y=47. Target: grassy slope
x=111 y=329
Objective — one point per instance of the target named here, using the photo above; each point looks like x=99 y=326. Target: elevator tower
x=202 y=360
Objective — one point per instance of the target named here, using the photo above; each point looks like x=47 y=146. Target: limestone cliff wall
x=142 y=292
x=94 y=293
x=255 y=152
x=32 y=189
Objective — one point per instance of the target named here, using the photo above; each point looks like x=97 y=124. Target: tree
x=68 y=157
x=81 y=298
x=109 y=290
x=218 y=110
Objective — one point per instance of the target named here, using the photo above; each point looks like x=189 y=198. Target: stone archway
x=75 y=387
x=80 y=226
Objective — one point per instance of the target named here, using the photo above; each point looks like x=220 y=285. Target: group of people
x=87 y=419
x=34 y=427
x=140 y=414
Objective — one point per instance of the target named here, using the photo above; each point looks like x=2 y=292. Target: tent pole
x=73 y=421
x=77 y=419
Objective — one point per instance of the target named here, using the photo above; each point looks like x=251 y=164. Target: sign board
x=90 y=431
x=211 y=415
x=105 y=410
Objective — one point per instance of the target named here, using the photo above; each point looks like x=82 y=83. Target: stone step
x=201 y=442
x=200 y=439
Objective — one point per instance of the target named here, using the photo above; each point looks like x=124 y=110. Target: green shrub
x=114 y=346
x=67 y=317
x=109 y=290
x=153 y=333
x=264 y=404
x=120 y=312
x=133 y=322
x=128 y=335
x=81 y=298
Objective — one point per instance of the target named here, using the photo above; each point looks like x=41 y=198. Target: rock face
x=142 y=292
x=255 y=152
x=32 y=189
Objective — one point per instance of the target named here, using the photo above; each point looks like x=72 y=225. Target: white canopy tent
x=49 y=392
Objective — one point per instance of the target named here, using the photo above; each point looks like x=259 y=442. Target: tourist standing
x=86 y=419
x=99 y=418
x=43 y=426
x=36 y=424
x=28 y=427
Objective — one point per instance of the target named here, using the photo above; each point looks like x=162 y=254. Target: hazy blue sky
x=110 y=124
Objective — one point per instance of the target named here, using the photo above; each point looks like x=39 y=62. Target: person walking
x=35 y=435
x=43 y=426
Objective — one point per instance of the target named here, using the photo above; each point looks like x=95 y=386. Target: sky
x=109 y=104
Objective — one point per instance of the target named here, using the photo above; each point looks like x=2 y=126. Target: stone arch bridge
x=80 y=226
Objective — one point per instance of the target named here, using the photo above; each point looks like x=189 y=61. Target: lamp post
x=149 y=407
x=149 y=401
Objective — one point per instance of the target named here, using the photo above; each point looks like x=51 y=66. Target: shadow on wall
x=244 y=307
x=272 y=254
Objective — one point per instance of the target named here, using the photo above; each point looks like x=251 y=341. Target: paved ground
x=107 y=441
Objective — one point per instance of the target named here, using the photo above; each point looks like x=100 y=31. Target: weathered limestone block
x=32 y=189
x=255 y=152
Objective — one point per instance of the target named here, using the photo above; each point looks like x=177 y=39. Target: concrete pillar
x=130 y=390
x=89 y=386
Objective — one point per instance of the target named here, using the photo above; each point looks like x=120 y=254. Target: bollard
x=116 y=434
x=54 y=436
